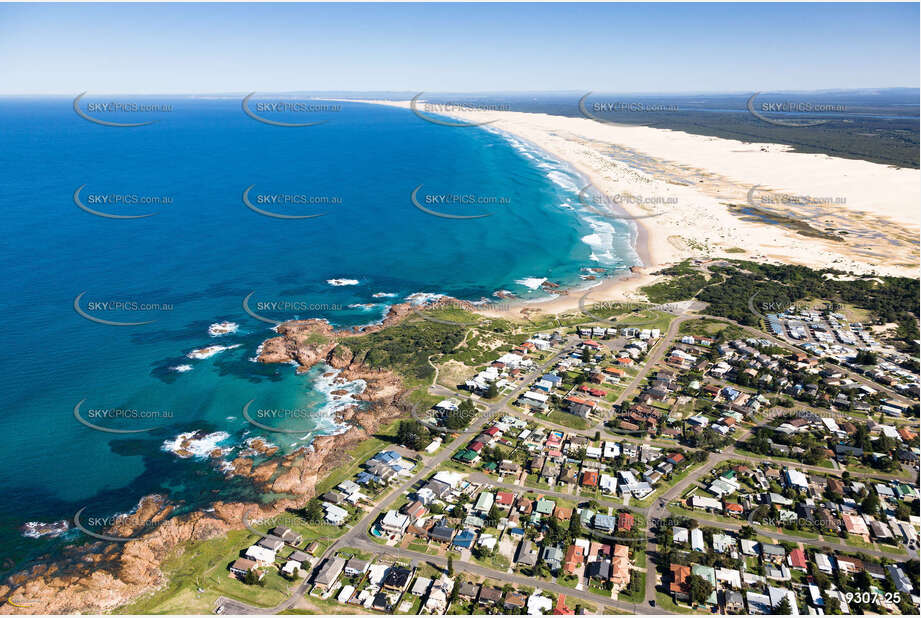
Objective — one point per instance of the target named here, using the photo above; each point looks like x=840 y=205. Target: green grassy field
x=358 y=455
x=204 y=565
x=567 y=420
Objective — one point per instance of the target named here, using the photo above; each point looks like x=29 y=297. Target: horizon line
x=411 y=93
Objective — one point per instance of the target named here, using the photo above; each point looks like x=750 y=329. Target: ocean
x=190 y=265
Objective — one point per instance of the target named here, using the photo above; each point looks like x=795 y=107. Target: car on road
x=652 y=603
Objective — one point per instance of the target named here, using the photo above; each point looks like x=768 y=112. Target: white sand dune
x=705 y=185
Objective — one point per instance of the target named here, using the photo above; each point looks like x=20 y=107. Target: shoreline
x=640 y=237
x=619 y=285
x=866 y=222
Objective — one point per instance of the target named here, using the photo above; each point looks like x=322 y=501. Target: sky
x=215 y=48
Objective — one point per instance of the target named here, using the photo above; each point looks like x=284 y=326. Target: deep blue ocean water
x=203 y=252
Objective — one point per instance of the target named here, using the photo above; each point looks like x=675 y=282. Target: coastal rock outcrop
x=100 y=576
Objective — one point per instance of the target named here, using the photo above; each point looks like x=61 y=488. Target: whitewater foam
x=195 y=444
x=532 y=283
x=209 y=351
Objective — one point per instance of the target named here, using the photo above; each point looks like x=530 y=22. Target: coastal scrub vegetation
x=739 y=285
x=406 y=347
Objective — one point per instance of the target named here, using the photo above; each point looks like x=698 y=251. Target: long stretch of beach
x=694 y=196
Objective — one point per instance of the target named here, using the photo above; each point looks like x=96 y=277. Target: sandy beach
x=694 y=196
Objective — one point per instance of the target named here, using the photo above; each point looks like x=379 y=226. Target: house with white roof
x=729 y=577
x=608 y=484
x=335 y=515
x=796 y=479
x=394 y=522
x=823 y=563
x=260 y=555
x=778 y=594
x=697 y=540
x=705 y=503
x=724 y=544
x=449 y=477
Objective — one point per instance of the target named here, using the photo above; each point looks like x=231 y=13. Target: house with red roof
x=590 y=478
x=562 y=513
x=797 y=560
x=594 y=392
x=678 y=585
x=733 y=510
x=598 y=549
x=560 y=609
x=504 y=499
x=573 y=559
x=625 y=522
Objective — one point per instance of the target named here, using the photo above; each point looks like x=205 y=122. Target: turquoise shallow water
x=203 y=252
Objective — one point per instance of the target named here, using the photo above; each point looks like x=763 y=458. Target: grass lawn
x=359 y=454
x=856 y=541
x=531 y=482
x=665 y=602
x=892 y=549
x=567 y=420
x=570 y=581
x=639 y=594
x=204 y=564
x=594 y=588
x=639 y=558
x=663 y=487
x=496 y=561
x=352 y=552
x=419 y=547
x=859 y=467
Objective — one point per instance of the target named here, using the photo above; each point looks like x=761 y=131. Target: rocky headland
x=97 y=577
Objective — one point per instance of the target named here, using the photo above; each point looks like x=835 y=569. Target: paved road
x=655 y=355
x=358 y=536
x=502 y=576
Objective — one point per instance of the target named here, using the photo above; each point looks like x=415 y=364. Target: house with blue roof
x=464 y=539
x=606 y=523
x=364 y=478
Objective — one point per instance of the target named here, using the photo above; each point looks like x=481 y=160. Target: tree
x=747 y=532
x=451 y=566
x=699 y=589
x=313 y=511
x=460 y=418
x=870 y=504
x=412 y=434
x=252 y=577
x=575 y=526
x=493 y=391
x=783 y=608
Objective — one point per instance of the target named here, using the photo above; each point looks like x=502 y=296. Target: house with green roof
x=545 y=507
x=708 y=573
x=466 y=456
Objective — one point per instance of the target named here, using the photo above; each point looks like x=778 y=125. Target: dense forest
x=739 y=286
